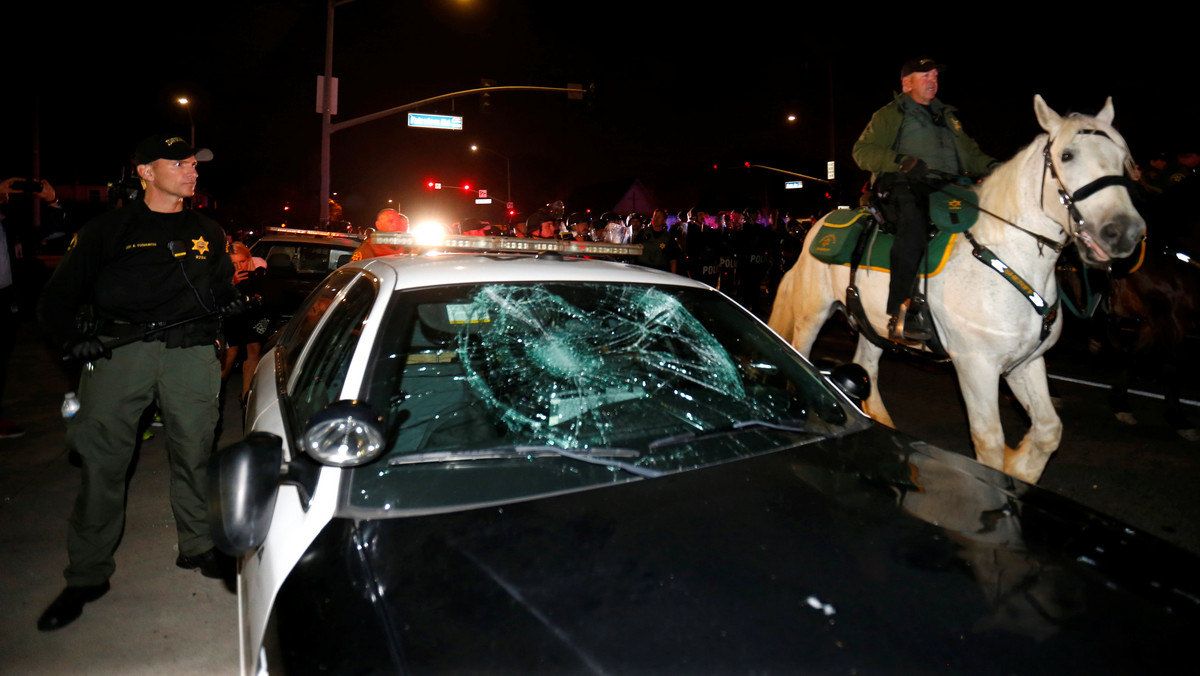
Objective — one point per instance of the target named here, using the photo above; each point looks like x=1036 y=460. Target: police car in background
x=508 y=456
x=297 y=261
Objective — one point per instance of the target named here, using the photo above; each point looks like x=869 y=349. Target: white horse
x=1066 y=186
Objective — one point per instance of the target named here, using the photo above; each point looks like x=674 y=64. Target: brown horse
x=1152 y=312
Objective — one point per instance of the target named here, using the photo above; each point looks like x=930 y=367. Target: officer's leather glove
x=90 y=348
x=237 y=306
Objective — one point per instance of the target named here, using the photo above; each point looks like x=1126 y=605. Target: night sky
x=679 y=89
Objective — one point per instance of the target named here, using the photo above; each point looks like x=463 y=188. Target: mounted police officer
x=149 y=264
x=909 y=146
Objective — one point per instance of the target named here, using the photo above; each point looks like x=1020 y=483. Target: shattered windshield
x=561 y=385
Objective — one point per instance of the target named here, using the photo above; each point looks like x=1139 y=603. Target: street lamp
x=507 y=167
x=183 y=101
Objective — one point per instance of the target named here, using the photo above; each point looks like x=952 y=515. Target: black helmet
x=536 y=219
x=579 y=217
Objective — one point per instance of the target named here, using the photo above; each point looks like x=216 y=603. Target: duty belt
x=122 y=329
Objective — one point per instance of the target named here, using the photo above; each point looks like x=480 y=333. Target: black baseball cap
x=921 y=64
x=164 y=147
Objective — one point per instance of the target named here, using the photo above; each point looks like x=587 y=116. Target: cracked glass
x=496 y=391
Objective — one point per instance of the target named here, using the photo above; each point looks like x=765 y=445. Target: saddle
x=862 y=238
x=952 y=210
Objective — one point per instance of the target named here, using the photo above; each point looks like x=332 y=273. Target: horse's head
x=1085 y=164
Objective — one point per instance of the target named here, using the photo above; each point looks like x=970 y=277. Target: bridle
x=1069 y=199
x=1048 y=311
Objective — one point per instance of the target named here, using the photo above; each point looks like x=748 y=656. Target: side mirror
x=243 y=481
x=852 y=380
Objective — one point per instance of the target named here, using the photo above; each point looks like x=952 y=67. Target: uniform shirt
x=139 y=266
x=932 y=133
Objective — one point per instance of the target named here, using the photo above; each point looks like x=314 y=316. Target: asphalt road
x=158 y=618
x=1145 y=475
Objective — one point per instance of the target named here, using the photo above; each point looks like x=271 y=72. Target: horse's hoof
x=1189 y=434
x=1127 y=418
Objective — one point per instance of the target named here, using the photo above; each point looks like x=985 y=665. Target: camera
x=27 y=185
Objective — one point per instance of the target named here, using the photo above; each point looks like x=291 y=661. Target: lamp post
x=507 y=168
x=183 y=101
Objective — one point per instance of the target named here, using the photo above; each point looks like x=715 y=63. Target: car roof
x=413 y=271
x=311 y=237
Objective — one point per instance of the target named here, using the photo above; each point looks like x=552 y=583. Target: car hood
x=866 y=554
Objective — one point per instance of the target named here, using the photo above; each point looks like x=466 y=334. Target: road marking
x=1103 y=386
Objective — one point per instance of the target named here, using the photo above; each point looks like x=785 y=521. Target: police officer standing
x=145 y=265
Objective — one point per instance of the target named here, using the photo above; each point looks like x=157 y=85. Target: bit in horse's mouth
x=1099 y=253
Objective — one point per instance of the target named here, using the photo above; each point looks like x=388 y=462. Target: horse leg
x=979 y=380
x=1175 y=414
x=803 y=303
x=1028 y=460
x=867 y=356
x=1118 y=398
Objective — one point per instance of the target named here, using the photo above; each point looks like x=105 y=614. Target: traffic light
x=485 y=99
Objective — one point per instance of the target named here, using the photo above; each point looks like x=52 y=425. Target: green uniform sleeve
x=873 y=151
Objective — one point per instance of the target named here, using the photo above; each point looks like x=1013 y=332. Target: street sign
x=483 y=200
x=830 y=174
x=482 y=194
x=425 y=121
x=793 y=185
x=333 y=95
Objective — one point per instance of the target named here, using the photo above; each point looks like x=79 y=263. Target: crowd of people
x=743 y=253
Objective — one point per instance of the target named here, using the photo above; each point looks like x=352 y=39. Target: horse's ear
x=1106 y=113
x=1047 y=118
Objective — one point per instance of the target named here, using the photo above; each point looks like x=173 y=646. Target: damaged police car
x=495 y=462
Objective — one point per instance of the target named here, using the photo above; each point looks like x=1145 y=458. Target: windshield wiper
x=724 y=429
x=605 y=457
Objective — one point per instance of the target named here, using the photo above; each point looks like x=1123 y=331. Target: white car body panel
x=294 y=527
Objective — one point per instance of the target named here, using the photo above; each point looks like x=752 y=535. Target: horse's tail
x=783 y=311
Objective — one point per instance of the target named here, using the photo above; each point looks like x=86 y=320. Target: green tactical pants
x=113 y=394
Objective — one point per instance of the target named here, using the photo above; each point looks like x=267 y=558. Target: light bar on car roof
x=319 y=233
x=503 y=244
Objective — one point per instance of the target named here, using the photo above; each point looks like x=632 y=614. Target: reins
x=1065 y=196
x=1047 y=311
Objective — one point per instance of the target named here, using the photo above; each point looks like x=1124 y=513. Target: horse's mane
x=1001 y=192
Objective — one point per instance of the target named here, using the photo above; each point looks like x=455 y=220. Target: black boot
x=211 y=564
x=917 y=325
x=69 y=606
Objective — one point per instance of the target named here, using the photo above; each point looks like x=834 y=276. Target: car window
x=308 y=317
x=323 y=371
x=673 y=378
x=302 y=258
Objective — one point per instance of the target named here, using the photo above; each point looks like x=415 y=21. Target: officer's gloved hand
x=915 y=168
x=89 y=348
x=237 y=306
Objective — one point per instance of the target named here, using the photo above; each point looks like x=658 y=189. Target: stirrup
x=916 y=326
x=895 y=331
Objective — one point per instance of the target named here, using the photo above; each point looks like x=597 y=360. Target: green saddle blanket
x=839 y=234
